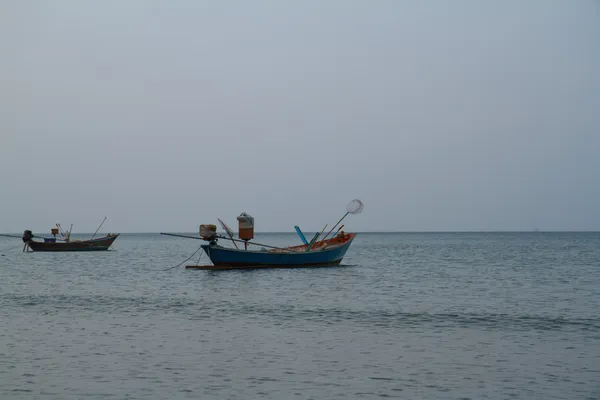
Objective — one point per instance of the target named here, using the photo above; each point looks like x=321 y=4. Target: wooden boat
x=316 y=253
x=66 y=244
x=324 y=253
x=51 y=244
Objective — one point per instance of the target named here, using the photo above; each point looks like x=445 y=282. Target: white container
x=246 y=226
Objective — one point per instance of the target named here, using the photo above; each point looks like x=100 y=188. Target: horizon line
x=406 y=231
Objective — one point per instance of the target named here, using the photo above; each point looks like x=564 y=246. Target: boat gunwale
x=234 y=266
x=301 y=249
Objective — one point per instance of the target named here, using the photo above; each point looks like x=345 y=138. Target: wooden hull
x=229 y=267
x=100 y=244
x=296 y=256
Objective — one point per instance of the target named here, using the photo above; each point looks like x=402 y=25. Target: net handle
x=348 y=211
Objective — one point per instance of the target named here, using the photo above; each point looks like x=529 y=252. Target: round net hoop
x=355 y=207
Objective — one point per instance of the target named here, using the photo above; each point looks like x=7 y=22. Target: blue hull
x=223 y=256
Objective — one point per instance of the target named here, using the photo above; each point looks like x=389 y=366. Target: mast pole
x=98 y=228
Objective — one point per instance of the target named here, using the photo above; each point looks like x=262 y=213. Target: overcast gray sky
x=161 y=115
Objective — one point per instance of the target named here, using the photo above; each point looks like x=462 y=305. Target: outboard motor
x=27 y=236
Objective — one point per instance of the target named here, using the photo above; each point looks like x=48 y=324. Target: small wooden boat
x=50 y=244
x=66 y=243
x=325 y=253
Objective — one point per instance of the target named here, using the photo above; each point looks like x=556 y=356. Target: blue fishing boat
x=319 y=251
x=323 y=253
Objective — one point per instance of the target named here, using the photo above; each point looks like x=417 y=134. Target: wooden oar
x=314 y=240
x=302 y=237
x=323 y=242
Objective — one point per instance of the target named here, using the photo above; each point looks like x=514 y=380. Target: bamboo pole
x=312 y=242
x=225 y=238
x=98 y=228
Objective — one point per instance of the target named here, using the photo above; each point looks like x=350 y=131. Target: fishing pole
x=225 y=238
x=314 y=240
x=98 y=228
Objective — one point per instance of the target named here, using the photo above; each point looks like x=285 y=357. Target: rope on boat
x=9 y=248
x=181 y=263
x=11 y=236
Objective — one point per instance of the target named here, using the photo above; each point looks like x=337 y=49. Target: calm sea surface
x=413 y=316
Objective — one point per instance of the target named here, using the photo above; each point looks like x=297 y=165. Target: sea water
x=413 y=316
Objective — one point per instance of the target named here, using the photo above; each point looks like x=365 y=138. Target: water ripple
x=377 y=318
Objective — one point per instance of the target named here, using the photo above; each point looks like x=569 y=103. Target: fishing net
x=229 y=232
x=226 y=228
x=355 y=207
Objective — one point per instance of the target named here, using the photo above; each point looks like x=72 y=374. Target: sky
x=161 y=115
